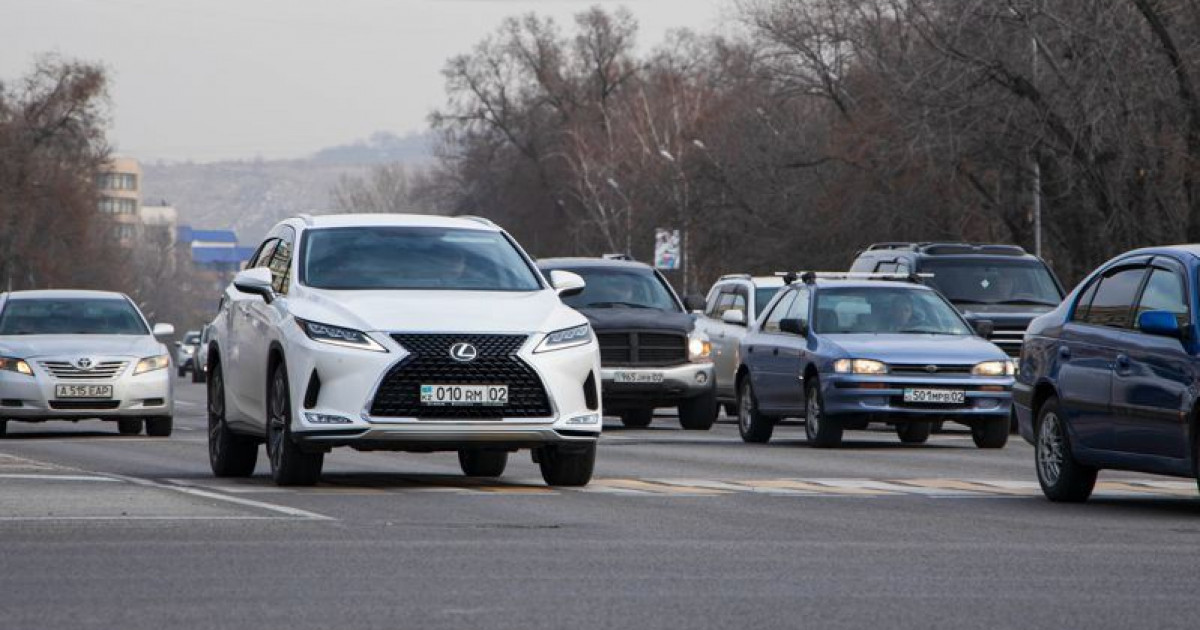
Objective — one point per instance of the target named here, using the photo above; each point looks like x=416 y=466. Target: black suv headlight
x=338 y=336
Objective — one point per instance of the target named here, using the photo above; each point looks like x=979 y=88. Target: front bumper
x=881 y=398
x=349 y=379
x=678 y=382
x=32 y=398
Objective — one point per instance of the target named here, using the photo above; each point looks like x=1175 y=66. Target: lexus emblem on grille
x=83 y=363
x=463 y=351
x=931 y=368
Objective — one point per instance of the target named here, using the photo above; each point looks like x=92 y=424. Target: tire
x=567 y=468
x=1014 y=426
x=482 y=463
x=753 y=425
x=937 y=427
x=914 y=432
x=637 y=418
x=129 y=427
x=991 y=433
x=197 y=376
x=699 y=413
x=821 y=431
x=731 y=409
x=229 y=454
x=290 y=465
x=856 y=425
x=1062 y=479
x=161 y=426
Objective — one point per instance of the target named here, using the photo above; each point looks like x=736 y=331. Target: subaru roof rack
x=810 y=277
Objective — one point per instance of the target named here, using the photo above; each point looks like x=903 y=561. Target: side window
x=1085 y=301
x=741 y=301
x=281 y=261
x=863 y=264
x=710 y=308
x=771 y=323
x=799 y=308
x=724 y=302
x=902 y=267
x=1114 y=298
x=263 y=255
x=1164 y=292
x=885 y=267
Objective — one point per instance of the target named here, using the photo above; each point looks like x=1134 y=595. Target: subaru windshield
x=993 y=282
x=879 y=310
x=430 y=258
x=71 y=316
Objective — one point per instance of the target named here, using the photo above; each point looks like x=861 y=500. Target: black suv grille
x=621 y=349
x=429 y=363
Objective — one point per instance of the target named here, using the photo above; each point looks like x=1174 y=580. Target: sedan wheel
x=821 y=430
x=1060 y=476
x=129 y=427
x=752 y=425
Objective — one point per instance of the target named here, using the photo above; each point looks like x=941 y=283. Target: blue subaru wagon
x=843 y=353
x=1109 y=379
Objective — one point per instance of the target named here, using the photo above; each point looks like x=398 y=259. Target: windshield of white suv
x=874 y=310
x=619 y=288
x=993 y=282
x=71 y=316
x=367 y=258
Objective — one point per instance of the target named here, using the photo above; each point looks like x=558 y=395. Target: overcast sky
x=217 y=79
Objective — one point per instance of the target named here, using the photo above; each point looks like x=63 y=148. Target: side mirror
x=1162 y=323
x=694 y=303
x=566 y=283
x=983 y=327
x=256 y=281
x=794 y=326
x=164 y=330
x=735 y=317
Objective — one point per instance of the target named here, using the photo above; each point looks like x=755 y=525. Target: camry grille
x=100 y=371
x=496 y=363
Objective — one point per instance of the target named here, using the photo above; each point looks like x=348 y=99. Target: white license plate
x=637 y=377
x=464 y=395
x=935 y=396
x=83 y=391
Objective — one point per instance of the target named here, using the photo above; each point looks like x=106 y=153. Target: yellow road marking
x=807 y=486
x=969 y=486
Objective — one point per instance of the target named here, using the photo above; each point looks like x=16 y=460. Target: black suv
x=1001 y=283
x=651 y=354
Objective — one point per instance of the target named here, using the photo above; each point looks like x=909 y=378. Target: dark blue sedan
x=1109 y=379
x=843 y=353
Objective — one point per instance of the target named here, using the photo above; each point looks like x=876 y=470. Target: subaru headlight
x=995 y=368
x=859 y=366
x=566 y=338
x=149 y=364
x=15 y=365
x=699 y=349
x=338 y=336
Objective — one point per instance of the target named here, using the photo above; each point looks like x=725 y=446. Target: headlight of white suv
x=338 y=336
x=149 y=364
x=995 y=368
x=566 y=338
x=859 y=366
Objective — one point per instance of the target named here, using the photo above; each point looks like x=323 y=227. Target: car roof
x=591 y=263
x=1189 y=248
x=867 y=284
x=63 y=294
x=397 y=220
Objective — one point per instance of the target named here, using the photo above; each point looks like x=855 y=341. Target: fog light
x=320 y=418
x=591 y=418
x=701 y=377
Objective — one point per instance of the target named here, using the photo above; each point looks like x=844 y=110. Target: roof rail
x=972 y=248
x=810 y=277
x=471 y=217
x=893 y=245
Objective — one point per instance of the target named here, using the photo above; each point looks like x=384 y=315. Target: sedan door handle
x=1064 y=352
x=1122 y=362
x=775 y=351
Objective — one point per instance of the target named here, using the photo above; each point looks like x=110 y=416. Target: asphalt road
x=678 y=530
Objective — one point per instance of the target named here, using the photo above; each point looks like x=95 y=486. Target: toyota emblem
x=463 y=351
x=83 y=363
x=931 y=368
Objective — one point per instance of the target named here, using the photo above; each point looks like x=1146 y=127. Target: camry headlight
x=859 y=366
x=566 y=338
x=338 y=336
x=149 y=364
x=15 y=365
x=995 y=368
x=699 y=349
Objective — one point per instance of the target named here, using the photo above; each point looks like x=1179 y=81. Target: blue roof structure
x=221 y=255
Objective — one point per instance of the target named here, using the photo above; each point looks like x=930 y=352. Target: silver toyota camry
x=80 y=355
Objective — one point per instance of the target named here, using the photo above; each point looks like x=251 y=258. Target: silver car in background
x=80 y=355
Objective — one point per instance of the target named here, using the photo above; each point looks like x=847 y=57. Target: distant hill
x=251 y=196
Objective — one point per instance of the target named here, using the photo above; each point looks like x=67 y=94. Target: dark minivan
x=1110 y=378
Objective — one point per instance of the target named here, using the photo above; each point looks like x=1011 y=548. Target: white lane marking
x=195 y=491
x=148 y=518
x=57 y=477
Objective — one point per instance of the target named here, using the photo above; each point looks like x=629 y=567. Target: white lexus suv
x=404 y=333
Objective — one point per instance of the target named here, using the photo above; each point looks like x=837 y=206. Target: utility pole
x=1035 y=166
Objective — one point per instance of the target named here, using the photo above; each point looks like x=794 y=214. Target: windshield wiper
x=612 y=304
x=1027 y=301
x=923 y=331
